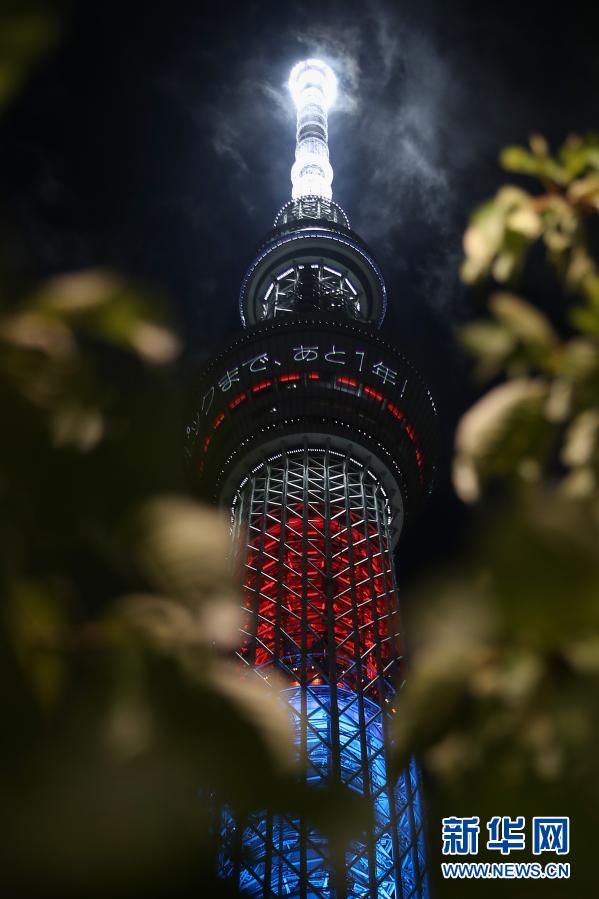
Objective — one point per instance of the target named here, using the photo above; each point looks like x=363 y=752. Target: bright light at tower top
x=313 y=86
x=310 y=79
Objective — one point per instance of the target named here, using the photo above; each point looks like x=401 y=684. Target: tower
x=319 y=435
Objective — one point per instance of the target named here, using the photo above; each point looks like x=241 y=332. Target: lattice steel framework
x=311 y=207
x=312 y=536
x=325 y=287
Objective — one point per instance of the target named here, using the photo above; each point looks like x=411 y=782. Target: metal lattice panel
x=311 y=529
x=326 y=287
x=311 y=207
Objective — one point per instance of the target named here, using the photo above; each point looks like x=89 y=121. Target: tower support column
x=311 y=531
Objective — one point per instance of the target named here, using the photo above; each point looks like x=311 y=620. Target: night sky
x=158 y=141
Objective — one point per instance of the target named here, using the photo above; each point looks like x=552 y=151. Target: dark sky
x=158 y=140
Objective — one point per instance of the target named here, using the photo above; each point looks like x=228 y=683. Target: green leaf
x=585 y=319
x=490 y=343
x=518 y=159
x=539 y=145
x=580 y=442
x=579 y=154
x=28 y=30
x=523 y=320
x=99 y=303
x=504 y=427
x=578 y=360
x=37 y=625
x=182 y=549
x=482 y=240
x=510 y=257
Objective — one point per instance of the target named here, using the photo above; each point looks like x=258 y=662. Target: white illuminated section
x=313 y=87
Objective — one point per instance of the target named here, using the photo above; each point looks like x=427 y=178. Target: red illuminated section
x=347 y=382
x=238 y=401
x=344 y=382
x=261 y=385
x=288 y=592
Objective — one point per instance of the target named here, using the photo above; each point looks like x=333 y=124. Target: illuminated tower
x=320 y=436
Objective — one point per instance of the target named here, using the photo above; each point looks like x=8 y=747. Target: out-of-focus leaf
x=182 y=549
x=510 y=257
x=28 y=30
x=490 y=343
x=31 y=330
x=77 y=426
x=172 y=625
x=559 y=401
x=520 y=160
x=580 y=268
x=590 y=286
x=561 y=224
x=100 y=303
x=580 y=444
x=506 y=425
x=584 y=653
x=451 y=641
x=578 y=360
x=261 y=701
x=579 y=153
x=524 y=321
x=37 y=625
x=130 y=730
x=586 y=319
x=579 y=484
x=526 y=221
x=539 y=145
x=499 y=234
x=585 y=191
x=482 y=240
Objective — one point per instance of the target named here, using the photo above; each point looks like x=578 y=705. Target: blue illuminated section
x=277 y=853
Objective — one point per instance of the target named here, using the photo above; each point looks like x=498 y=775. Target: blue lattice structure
x=320 y=437
x=271 y=860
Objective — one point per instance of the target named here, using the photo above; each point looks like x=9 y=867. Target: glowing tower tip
x=313 y=86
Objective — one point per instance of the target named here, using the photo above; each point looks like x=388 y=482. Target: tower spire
x=313 y=87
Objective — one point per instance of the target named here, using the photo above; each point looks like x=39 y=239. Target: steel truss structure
x=311 y=207
x=311 y=530
x=325 y=287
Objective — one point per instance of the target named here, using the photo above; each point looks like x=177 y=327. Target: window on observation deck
x=317 y=285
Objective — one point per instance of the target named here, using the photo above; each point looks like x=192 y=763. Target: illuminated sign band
x=333 y=354
x=341 y=378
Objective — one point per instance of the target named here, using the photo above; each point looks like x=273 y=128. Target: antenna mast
x=313 y=87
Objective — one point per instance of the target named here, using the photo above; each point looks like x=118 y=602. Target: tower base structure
x=277 y=855
x=312 y=531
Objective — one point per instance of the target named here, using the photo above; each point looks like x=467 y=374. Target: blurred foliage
x=28 y=30
x=502 y=699
x=118 y=607
x=123 y=715
x=549 y=408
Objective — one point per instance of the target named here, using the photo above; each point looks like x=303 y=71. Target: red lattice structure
x=319 y=592
x=311 y=528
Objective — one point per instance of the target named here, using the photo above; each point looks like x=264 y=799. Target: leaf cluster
x=501 y=700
